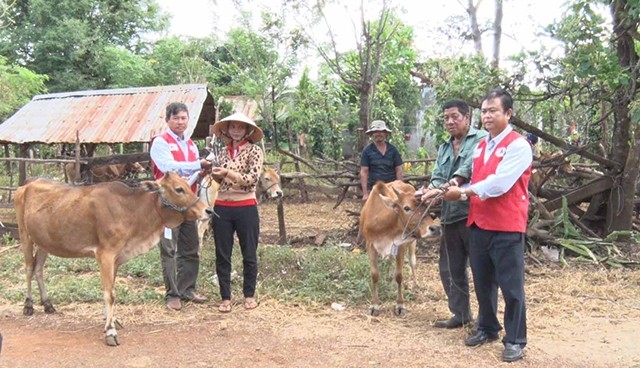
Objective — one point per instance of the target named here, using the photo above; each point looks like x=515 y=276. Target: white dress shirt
x=163 y=158
x=516 y=160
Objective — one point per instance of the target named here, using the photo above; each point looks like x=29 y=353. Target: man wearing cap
x=236 y=205
x=380 y=160
x=175 y=151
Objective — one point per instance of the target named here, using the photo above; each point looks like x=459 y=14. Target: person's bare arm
x=399 y=172
x=364 y=177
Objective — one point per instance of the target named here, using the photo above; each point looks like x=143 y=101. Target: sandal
x=250 y=303
x=225 y=306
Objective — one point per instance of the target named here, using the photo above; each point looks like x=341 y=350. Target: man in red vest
x=174 y=151
x=498 y=221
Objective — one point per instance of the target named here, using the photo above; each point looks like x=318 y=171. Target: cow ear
x=433 y=215
x=150 y=185
x=276 y=167
x=388 y=201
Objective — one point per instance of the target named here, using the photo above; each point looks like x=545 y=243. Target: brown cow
x=102 y=174
x=268 y=187
x=109 y=221
x=391 y=220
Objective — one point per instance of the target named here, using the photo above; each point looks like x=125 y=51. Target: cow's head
x=176 y=195
x=269 y=183
x=135 y=167
x=413 y=214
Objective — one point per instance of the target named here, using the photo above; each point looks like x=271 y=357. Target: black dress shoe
x=480 y=338
x=449 y=323
x=512 y=352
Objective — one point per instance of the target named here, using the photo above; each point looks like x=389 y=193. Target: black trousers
x=245 y=222
x=497 y=260
x=180 y=261
x=454 y=257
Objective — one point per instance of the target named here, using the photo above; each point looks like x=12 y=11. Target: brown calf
x=109 y=221
x=390 y=221
x=102 y=174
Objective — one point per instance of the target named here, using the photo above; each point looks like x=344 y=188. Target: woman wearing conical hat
x=236 y=205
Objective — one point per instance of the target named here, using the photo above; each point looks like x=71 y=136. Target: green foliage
x=176 y=60
x=71 y=40
x=17 y=86
x=465 y=77
x=122 y=68
x=249 y=64
x=579 y=85
x=404 y=95
x=588 y=52
x=597 y=251
x=315 y=108
x=7 y=239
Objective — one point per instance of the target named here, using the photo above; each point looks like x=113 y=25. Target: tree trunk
x=624 y=148
x=604 y=130
x=364 y=114
x=497 y=35
x=476 y=35
x=282 y=228
x=22 y=166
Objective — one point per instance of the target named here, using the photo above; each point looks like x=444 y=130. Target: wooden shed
x=126 y=115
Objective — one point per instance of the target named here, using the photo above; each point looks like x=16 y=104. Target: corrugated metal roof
x=107 y=116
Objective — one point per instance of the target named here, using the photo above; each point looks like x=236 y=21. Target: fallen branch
x=582 y=226
x=562 y=144
x=298 y=158
x=8 y=248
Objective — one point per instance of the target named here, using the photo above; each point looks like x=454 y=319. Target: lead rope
x=206 y=193
x=406 y=234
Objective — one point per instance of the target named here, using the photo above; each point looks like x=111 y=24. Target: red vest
x=509 y=211
x=177 y=153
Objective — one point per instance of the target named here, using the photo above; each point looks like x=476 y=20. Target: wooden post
x=77 y=166
x=22 y=165
x=7 y=153
x=281 y=225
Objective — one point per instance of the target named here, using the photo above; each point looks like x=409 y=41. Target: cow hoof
x=374 y=311
x=111 y=340
x=28 y=307
x=48 y=307
x=28 y=310
x=400 y=311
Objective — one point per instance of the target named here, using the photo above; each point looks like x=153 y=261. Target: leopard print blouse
x=243 y=173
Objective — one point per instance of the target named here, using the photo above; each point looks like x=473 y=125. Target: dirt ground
x=577 y=317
